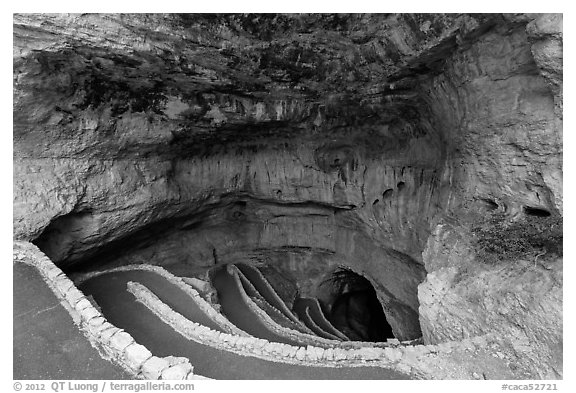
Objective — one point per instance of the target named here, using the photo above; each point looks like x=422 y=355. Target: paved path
x=176 y=298
x=47 y=343
x=120 y=308
x=259 y=282
x=239 y=313
x=276 y=315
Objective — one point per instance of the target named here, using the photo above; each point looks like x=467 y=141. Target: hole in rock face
x=536 y=212
x=237 y=215
x=489 y=204
x=401 y=185
x=355 y=309
x=387 y=194
x=238 y=210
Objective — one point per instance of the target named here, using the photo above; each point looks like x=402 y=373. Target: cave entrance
x=355 y=308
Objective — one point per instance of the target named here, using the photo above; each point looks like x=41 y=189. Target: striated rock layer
x=301 y=143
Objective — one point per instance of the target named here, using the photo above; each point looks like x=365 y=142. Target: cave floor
x=46 y=342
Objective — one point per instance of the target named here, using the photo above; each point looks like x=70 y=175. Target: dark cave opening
x=489 y=204
x=536 y=212
x=355 y=308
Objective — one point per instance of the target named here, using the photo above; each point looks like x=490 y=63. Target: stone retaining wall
x=285 y=310
x=200 y=285
x=285 y=331
x=206 y=307
x=421 y=361
x=333 y=330
x=111 y=342
x=320 y=329
x=311 y=339
x=252 y=346
x=253 y=293
x=223 y=321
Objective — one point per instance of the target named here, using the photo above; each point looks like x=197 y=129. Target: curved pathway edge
x=113 y=343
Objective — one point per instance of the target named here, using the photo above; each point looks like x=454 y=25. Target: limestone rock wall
x=118 y=197
x=521 y=304
x=498 y=104
x=520 y=301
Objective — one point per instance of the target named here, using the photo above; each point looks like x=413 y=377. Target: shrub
x=497 y=239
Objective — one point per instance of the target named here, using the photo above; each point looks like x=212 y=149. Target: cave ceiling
x=212 y=80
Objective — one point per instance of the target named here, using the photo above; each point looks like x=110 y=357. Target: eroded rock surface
x=300 y=143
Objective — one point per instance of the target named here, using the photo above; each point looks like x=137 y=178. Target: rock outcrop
x=303 y=143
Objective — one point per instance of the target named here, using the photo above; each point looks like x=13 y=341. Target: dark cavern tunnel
x=355 y=309
x=340 y=182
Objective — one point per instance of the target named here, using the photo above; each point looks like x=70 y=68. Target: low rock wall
x=113 y=343
x=287 y=332
x=420 y=361
x=223 y=322
x=200 y=285
x=248 y=288
x=320 y=330
x=324 y=320
x=285 y=310
x=310 y=338
x=252 y=346
x=206 y=307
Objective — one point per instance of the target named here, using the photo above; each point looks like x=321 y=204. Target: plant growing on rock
x=533 y=238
